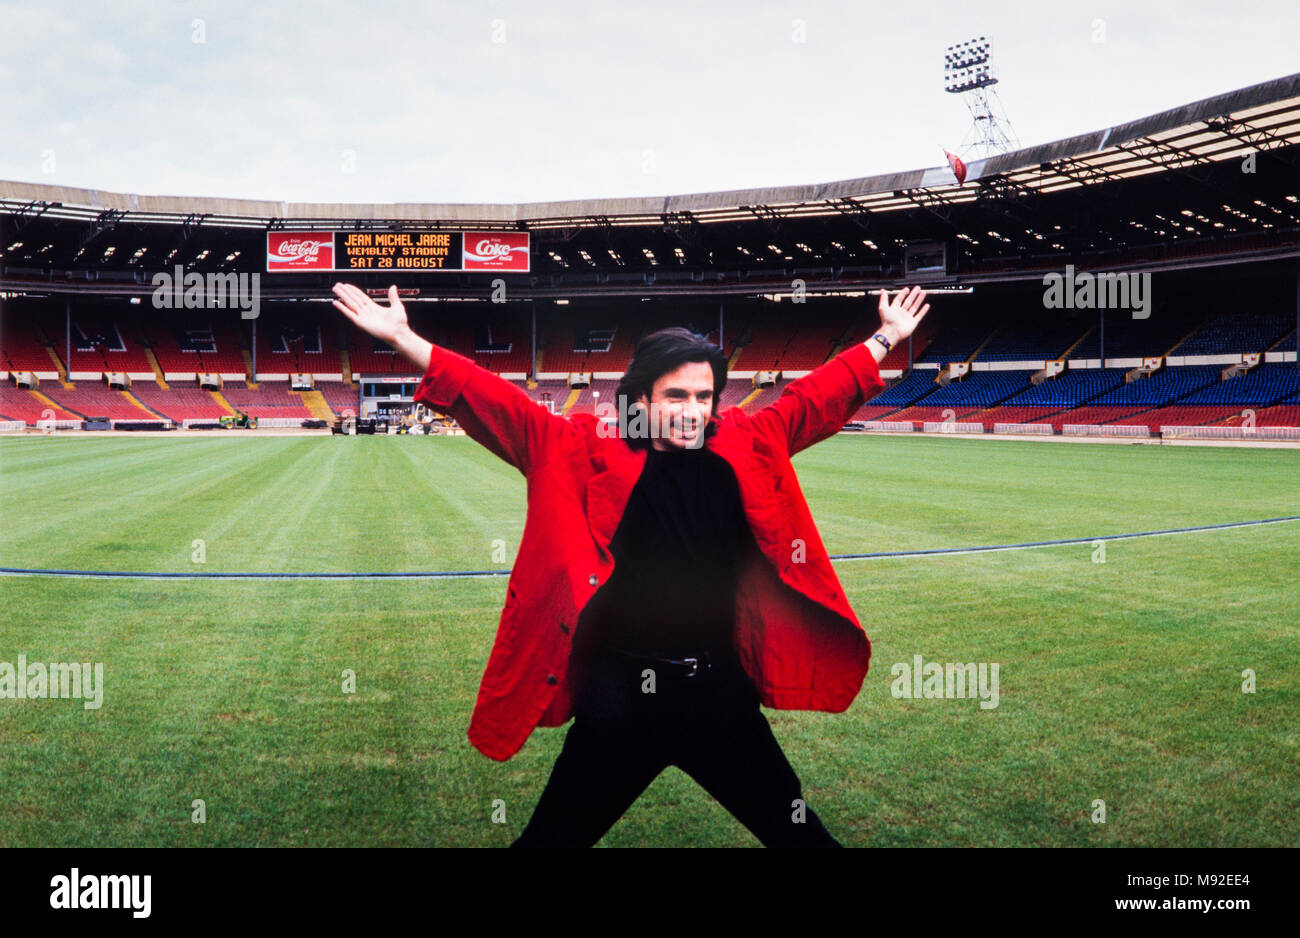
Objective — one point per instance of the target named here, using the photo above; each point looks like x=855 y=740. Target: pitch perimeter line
x=1028 y=545
x=468 y=574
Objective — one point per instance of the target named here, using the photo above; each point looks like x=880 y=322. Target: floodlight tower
x=968 y=71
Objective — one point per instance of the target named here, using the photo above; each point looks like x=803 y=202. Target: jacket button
x=552 y=679
x=593 y=579
x=564 y=628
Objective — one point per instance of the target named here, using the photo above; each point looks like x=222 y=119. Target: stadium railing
x=882 y=426
x=1041 y=429
x=941 y=426
x=1229 y=433
x=1108 y=429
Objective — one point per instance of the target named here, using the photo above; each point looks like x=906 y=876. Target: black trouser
x=708 y=725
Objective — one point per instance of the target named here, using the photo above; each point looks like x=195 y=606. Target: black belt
x=691 y=666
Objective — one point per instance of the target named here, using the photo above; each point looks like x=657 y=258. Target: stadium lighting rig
x=968 y=71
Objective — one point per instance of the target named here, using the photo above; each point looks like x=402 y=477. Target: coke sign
x=496 y=250
x=294 y=251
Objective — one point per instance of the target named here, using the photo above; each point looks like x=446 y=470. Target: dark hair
x=659 y=353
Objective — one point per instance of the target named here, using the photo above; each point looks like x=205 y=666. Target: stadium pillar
x=1101 y=338
x=1297 y=318
x=253 y=376
x=721 y=344
x=67 y=333
x=532 y=367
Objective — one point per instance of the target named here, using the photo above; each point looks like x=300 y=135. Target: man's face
x=681 y=403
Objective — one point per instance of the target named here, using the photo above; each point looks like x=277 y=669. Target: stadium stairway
x=157 y=369
x=1077 y=342
x=222 y=402
x=987 y=339
x=346 y=362
x=55 y=404
x=316 y=403
x=735 y=352
x=248 y=370
x=143 y=406
x=1169 y=351
x=58 y=363
x=846 y=339
x=1278 y=345
x=574 y=394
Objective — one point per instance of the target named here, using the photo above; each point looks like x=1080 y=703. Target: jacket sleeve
x=816 y=406
x=491 y=410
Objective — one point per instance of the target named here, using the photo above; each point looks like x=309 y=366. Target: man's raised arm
x=490 y=409
x=816 y=406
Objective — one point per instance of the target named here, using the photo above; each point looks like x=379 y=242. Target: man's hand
x=899 y=318
x=383 y=322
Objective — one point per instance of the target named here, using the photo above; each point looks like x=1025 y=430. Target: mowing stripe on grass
x=465 y=574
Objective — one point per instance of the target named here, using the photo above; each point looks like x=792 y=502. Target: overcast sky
x=523 y=102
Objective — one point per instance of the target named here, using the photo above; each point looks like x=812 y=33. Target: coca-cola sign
x=299 y=250
x=496 y=250
x=387 y=250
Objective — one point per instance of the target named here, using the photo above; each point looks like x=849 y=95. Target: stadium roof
x=1261 y=117
x=1169 y=190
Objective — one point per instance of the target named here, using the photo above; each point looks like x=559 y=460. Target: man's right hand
x=382 y=322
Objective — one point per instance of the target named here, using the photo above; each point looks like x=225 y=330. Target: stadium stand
x=180 y=401
x=86 y=399
x=788 y=337
x=1127 y=337
x=1237 y=331
x=599 y=338
x=197 y=345
x=294 y=344
x=21 y=404
x=100 y=341
x=1041 y=339
x=269 y=399
x=586 y=400
x=499 y=342
x=22 y=348
x=368 y=355
x=955 y=340
x=339 y=396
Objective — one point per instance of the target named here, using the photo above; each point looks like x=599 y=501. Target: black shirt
x=677 y=556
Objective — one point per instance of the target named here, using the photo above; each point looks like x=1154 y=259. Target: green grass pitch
x=1120 y=681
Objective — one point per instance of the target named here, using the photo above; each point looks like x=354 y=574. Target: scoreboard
x=399 y=250
x=413 y=251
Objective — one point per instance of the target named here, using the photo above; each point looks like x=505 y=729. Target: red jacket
x=796 y=635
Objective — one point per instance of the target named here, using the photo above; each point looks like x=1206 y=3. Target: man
x=670 y=578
